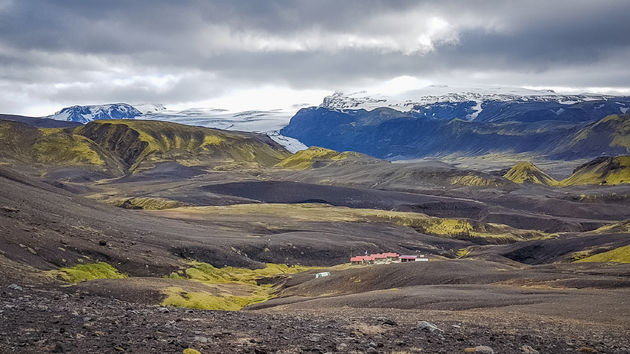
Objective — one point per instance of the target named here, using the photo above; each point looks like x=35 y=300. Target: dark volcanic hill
x=39 y=122
x=608 y=136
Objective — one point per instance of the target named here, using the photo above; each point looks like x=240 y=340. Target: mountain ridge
x=126 y=146
x=390 y=134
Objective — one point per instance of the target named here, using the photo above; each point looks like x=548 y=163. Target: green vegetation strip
x=448 y=227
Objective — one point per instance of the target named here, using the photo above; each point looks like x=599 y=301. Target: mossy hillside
x=305 y=159
x=603 y=171
x=54 y=147
x=59 y=146
x=473 y=181
x=85 y=272
x=611 y=133
x=621 y=136
x=527 y=172
x=49 y=146
x=137 y=142
x=615 y=125
x=147 y=203
x=617 y=255
x=621 y=227
x=449 y=227
x=16 y=139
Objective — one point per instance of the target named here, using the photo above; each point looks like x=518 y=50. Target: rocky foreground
x=58 y=320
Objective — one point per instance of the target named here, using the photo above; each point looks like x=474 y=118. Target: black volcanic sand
x=293 y=192
x=502 y=296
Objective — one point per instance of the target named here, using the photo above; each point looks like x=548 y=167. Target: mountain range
x=467 y=124
x=431 y=122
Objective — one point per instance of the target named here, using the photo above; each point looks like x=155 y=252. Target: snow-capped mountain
x=86 y=114
x=444 y=102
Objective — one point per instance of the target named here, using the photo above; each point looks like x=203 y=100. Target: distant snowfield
x=407 y=101
x=268 y=122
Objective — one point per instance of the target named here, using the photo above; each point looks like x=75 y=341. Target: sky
x=242 y=55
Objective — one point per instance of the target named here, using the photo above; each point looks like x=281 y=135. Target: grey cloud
x=82 y=50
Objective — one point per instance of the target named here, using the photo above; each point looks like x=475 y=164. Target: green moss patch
x=206 y=301
x=205 y=272
x=617 y=255
x=208 y=274
x=85 y=272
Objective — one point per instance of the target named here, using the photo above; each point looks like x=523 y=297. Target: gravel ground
x=52 y=319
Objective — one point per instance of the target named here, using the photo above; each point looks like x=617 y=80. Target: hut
x=408 y=258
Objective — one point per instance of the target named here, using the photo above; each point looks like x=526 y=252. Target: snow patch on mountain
x=291 y=144
x=149 y=107
x=477 y=109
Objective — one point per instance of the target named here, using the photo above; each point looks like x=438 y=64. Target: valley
x=132 y=235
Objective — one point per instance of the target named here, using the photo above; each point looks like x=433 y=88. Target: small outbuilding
x=408 y=258
x=322 y=275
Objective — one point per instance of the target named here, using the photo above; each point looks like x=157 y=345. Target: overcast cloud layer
x=57 y=53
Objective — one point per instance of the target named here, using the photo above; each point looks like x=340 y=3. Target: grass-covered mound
x=527 y=172
x=85 y=272
x=305 y=159
x=473 y=180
